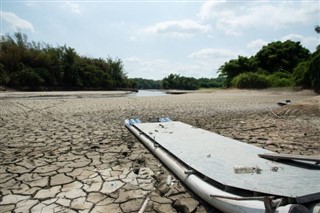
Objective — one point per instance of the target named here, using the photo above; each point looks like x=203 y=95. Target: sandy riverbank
x=63 y=94
x=75 y=154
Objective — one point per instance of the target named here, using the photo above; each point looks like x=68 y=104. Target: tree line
x=175 y=81
x=28 y=65
x=277 y=64
x=140 y=83
x=34 y=66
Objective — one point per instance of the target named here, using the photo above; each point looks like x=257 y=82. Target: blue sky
x=156 y=38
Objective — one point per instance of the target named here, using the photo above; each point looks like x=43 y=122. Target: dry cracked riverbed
x=75 y=155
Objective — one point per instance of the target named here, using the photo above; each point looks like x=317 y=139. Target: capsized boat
x=230 y=175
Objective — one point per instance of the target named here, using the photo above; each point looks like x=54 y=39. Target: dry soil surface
x=75 y=155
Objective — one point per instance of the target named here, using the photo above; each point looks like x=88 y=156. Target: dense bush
x=307 y=73
x=280 y=79
x=283 y=64
x=141 y=83
x=210 y=82
x=235 y=67
x=278 y=56
x=36 y=66
x=250 y=80
x=179 y=82
x=4 y=78
x=30 y=77
x=314 y=69
x=301 y=75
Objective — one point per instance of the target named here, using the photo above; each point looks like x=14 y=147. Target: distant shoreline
x=65 y=94
x=13 y=94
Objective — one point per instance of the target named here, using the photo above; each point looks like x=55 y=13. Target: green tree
x=281 y=56
x=71 y=75
x=29 y=78
x=117 y=72
x=141 y=83
x=315 y=66
x=301 y=75
x=250 y=80
x=307 y=73
x=210 y=82
x=10 y=54
x=4 y=77
x=236 y=66
x=314 y=69
x=317 y=28
x=31 y=65
x=55 y=65
x=280 y=79
x=174 y=81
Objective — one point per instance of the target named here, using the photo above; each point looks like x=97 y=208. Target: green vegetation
x=187 y=83
x=235 y=67
x=250 y=80
x=210 y=82
x=278 y=64
x=37 y=66
x=272 y=66
x=28 y=65
x=141 y=83
x=179 y=82
x=281 y=56
x=314 y=70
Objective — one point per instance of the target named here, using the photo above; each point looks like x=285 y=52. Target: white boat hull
x=205 y=190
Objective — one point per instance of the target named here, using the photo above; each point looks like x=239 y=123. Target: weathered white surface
x=231 y=162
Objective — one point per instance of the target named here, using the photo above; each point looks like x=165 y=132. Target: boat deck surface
x=234 y=163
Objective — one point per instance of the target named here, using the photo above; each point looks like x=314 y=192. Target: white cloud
x=212 y=53
x=133 y=59
x=257 y=44
x=208 y=9
x=133 y=38
x=71 y=6
x=306 y=41
x=235 y=17
x=16 y=22
x=179 y=29
x=202 y=63
x=207 y=61
x=149 y=69
x=31 y=4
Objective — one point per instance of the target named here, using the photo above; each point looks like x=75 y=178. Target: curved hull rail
x=224 y=201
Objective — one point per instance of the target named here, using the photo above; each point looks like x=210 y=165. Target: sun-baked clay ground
x=74 y=154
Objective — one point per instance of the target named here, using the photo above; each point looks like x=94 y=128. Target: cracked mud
x=75 y=155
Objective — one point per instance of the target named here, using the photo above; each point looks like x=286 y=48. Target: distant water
x=80 y=94
x=145 y=93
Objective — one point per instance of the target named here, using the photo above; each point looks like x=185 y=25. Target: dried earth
x=75 y=155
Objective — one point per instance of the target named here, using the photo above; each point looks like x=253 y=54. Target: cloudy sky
x=157 y=37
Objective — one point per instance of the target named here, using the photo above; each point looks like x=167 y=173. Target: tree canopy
x=281 y=56
x=36 y=66
x=28 y=65
x=237 y=66
x=141 y=83
x=276 y=64
x=174 y=81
